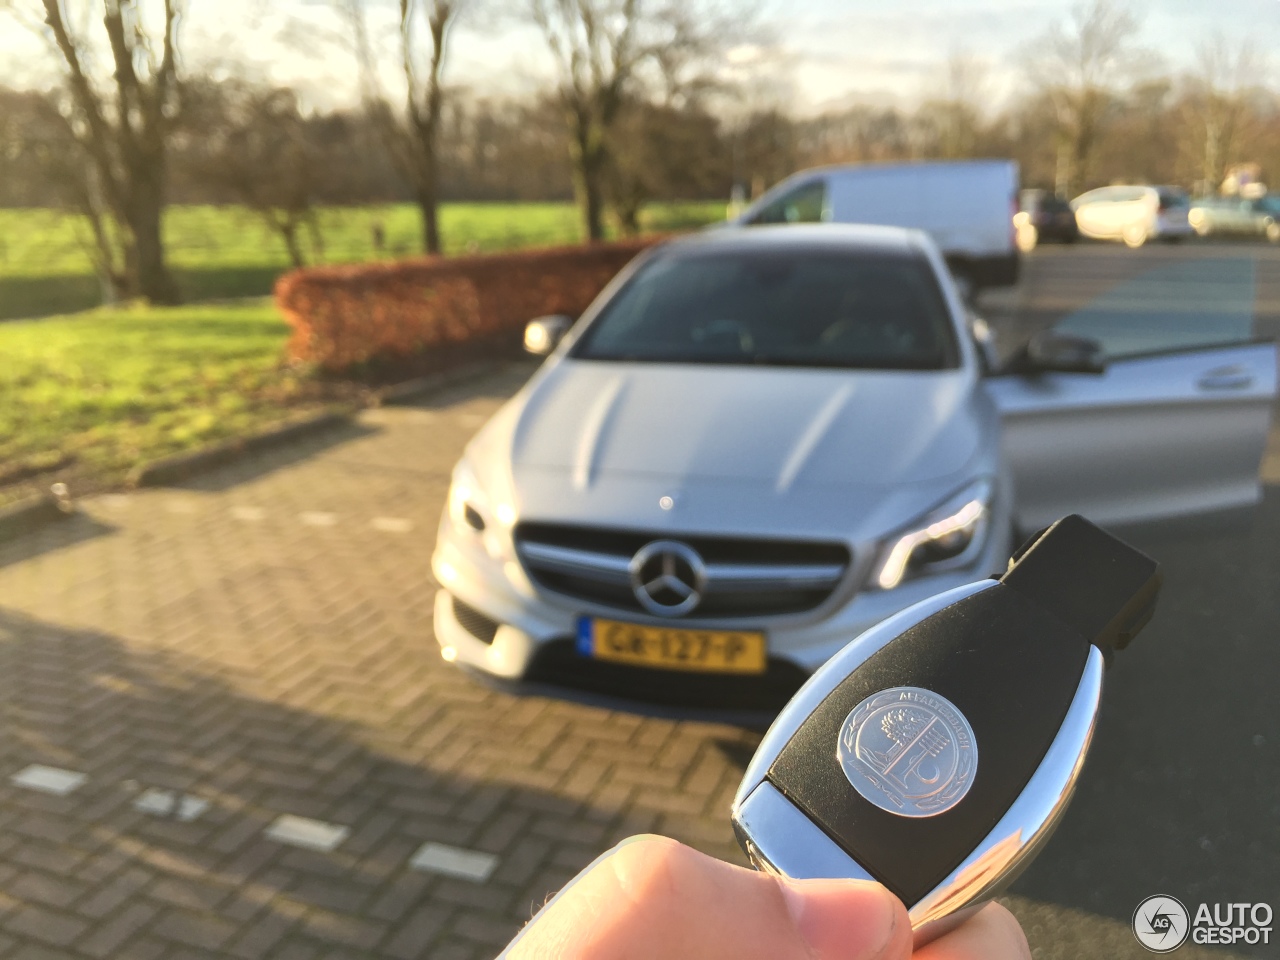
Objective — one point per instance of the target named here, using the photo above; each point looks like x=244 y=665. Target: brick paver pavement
x=261 y=639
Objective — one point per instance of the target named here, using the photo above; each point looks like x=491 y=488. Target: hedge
x=347 y=315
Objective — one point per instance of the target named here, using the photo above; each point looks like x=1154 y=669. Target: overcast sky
x=828 y=52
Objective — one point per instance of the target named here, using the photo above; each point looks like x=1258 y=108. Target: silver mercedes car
x=756 y=444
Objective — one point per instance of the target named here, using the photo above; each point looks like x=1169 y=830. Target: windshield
x=794 y=308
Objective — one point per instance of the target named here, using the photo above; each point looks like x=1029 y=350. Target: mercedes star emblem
x=668 y=578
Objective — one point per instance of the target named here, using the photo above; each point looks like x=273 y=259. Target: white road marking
x=454 y=862
x=305 y=832
x=248 y=513
x=53 y=780
x=157 y=802
x=190 y=808
x=166 y=803
x=318 y=519
x=392 y=524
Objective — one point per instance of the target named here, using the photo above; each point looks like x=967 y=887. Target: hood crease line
x=812 y=436
x=587 y=456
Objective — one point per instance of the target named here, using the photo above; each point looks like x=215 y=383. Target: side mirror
x=984 y=343
x=543 y=333
x=1049 y=352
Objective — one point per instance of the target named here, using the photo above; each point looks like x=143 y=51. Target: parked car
x=1237 y=216
x=755 y=444
x=966 y=207
x=1134 y=214
x=1044 y=218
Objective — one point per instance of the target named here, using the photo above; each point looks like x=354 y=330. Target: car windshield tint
x=801 y=308
x=1174 y=198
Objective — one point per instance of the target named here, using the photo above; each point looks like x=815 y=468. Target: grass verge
x=84 y=398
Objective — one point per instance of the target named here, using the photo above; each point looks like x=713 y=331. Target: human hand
x=651 y=898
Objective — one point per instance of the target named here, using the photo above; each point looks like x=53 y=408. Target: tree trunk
x=147 y=267
x=1062 y=170
x=590 y=195
x=429 y=209
x=289 y=231
x=589 y=156
x=1212 y=162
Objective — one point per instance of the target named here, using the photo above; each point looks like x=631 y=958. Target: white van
x=966 y=206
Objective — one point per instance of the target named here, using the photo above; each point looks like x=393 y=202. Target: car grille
x=474 y=622
x=745 y=577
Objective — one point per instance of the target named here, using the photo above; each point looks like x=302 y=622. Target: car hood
x=734 y=447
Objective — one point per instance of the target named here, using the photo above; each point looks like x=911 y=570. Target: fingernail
x=850 y=919
x=638 y=838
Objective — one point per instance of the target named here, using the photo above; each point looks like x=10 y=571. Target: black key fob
x=937 y=751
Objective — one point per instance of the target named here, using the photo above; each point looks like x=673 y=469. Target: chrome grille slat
x=751 y=575
x=607 y=568
x=594 y=565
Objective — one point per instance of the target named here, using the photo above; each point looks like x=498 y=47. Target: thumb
x=833 y=915
x=655 y=899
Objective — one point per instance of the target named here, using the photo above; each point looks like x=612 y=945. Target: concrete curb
x=432 y=382
x=31 y=514
x=183 y=466
x=34 y=512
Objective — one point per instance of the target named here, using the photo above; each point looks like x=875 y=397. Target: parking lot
x=194 y=663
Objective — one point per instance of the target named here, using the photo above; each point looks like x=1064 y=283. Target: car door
x=1131 y=206
x=1253 y=219
x=1176 y=425
x=1091 y=212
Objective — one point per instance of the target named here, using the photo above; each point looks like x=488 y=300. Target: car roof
x=848 y=237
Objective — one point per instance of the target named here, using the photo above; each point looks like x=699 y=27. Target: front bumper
x=535 y=628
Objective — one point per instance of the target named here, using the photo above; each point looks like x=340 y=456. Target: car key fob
x=936 y=752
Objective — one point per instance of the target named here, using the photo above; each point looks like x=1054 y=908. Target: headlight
x=948 y=537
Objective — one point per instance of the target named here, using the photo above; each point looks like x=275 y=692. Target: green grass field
x=226 y=252
x=84 y=396
x=90 y=395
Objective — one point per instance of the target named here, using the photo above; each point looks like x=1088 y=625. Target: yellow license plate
x=672 y=648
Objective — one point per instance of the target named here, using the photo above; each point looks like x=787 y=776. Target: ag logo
x=1161 y=924
x=908 y=751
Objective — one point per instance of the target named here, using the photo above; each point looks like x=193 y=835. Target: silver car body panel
x=1155 y=437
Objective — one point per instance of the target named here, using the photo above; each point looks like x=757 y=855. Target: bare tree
x=602 y=49
x=412 y=135
x=954 y=114
x=123 y=131
x=1080 y=66
x=1217 y=103
x=42 y=165
x=665 y=151
x=252 y=142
